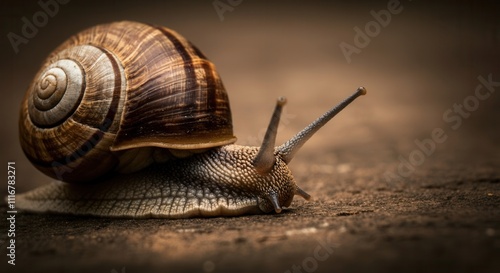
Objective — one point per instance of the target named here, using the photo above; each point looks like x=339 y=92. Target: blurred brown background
x=427 y=58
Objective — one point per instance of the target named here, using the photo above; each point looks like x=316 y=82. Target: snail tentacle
x=265 y=159
x=289 y=148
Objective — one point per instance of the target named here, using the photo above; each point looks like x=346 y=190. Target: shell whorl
x=57 y=93
x=120 y=86
x=71 y=113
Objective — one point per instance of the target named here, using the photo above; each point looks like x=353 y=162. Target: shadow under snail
x=137 y=122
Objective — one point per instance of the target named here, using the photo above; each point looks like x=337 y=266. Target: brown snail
x=137 y=121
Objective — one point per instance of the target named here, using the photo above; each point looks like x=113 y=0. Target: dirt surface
x=402 y=180
x=444 y=219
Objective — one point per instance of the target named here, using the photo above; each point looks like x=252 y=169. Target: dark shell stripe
x=187 y=62
x=211 y=88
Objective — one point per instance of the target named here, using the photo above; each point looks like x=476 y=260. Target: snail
x=134 y=121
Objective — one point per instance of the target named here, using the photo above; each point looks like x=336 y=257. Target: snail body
x=200 y=185
x=137 y=122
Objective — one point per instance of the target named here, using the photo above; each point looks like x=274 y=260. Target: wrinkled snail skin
x=136 y=123
x=218 y=182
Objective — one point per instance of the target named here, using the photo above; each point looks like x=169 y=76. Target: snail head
x=269 y=156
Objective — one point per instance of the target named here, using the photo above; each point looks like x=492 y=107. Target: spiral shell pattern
x=117 y=87
x=62 y=81
x=71 y=114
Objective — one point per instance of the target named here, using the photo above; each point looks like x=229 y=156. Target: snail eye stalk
x=289 y=148
x=265 y=159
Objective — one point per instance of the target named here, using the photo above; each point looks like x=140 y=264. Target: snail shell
x=109 y=95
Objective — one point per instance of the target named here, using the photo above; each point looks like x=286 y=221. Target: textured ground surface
x=444 y=218
x=378 y=204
